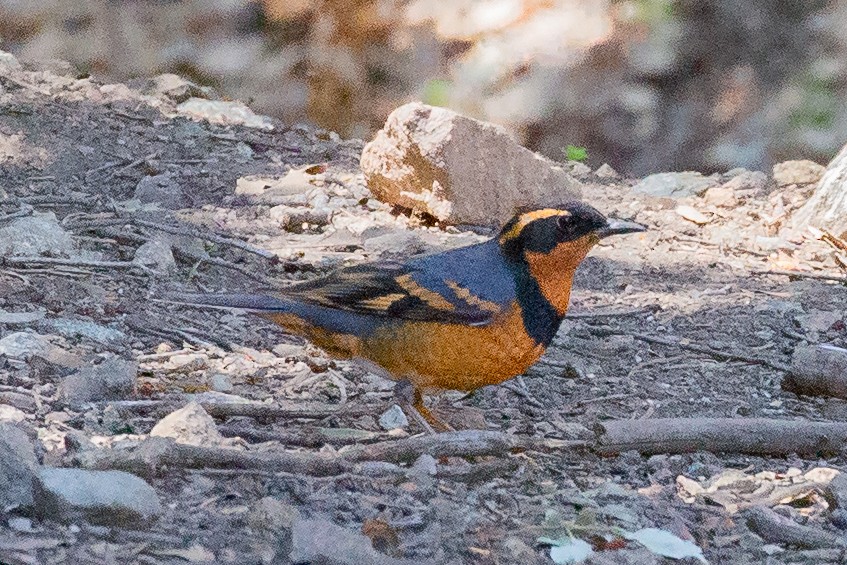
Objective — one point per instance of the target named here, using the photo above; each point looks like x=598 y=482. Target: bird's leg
x=411 y=400
x=436 y=423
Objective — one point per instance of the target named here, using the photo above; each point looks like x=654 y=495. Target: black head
x=543 y=230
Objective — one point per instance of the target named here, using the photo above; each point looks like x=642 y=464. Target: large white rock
x=458 y=169
x=827 y=208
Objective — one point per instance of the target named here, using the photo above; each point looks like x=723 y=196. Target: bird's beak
x=615 y=227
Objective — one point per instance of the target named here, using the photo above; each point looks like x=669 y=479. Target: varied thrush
x=459 y=320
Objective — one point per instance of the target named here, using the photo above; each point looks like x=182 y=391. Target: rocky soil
x=136 y=431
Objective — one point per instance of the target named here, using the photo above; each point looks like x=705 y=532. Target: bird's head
x=553 y=241
x=573 y=228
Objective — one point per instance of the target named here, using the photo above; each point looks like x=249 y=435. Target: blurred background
x=645 y=85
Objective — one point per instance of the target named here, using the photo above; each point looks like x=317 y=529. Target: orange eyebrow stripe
x=430 y=297
x=526 y=219
x=472 y=299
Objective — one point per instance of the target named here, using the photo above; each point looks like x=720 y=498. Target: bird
x=455 y=320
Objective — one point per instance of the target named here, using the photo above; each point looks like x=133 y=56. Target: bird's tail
x=252 y=302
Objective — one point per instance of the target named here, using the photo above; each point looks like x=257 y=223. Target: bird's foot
x=410 y=400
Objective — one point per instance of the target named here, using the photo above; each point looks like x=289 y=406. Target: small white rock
x=393 y=418
x=607 y=172
x=190 y=425
x=692 y=215
x=221 y=383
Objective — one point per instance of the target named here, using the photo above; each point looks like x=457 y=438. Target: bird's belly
x=451 y=356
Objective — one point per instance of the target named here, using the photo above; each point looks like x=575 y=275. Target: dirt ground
x=79 y=150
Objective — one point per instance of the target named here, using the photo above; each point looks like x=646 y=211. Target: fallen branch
x=256 y=410
x=154 y=454
x=270 y=412
x=801 y=275
x=774 y=528
x=755 y=436
x=677 y=342
x=465 y=443
x=304 y=437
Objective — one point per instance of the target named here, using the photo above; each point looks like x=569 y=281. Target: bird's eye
x=563 y=223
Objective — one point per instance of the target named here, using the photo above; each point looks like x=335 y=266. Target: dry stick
x=525 y=394
x=154 y=454
x=74 y=263
x=24 y=211
x=465 y=443
x=676 y=342
x=268 y=412
x=173 y=335
x=799 y=275
x=304 y=437
x=59 y=200
x=757 y=436
x=834 y=241
x=232 y=266
x=149 y=458
x=189 y=232
x=134 y=164
x=774 y=528
x=608 y=314
x=256 y=410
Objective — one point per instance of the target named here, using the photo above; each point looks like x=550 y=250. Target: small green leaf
x=574 y=153
x=437 y=92
x=664 y=543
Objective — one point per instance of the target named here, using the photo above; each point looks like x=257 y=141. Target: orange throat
x=554 y=271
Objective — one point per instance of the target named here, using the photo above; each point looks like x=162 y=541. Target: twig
x=50 y=199
x=233 y=267
x=677 y=342
x=597 y=399
x=134 y=164
x=523 y=393
x=190 y=232
x=164 y=355
x=757 y=436
x=801 y=275
x=834 y=241
x=609 y=313
x=19 y=276
x=74 y=263
x=109 y=165
x=25 y=210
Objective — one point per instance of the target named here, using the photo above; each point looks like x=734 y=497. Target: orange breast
x=455 y=357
